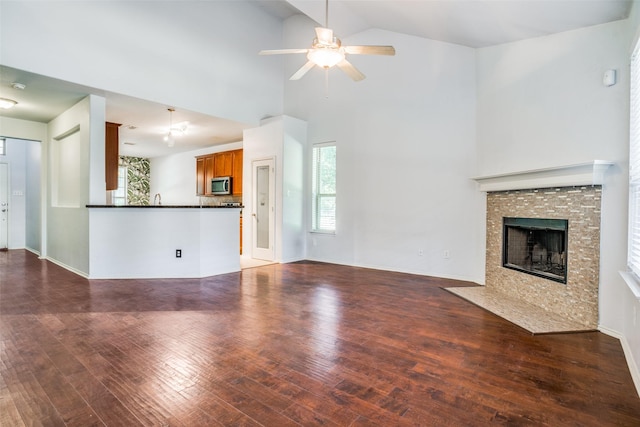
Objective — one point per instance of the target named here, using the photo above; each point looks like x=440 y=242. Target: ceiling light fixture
x=327 y=51
x=326 y=56
x=174 y=131
x=7 y=103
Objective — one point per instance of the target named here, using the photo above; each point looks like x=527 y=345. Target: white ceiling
x=473 y=23
x=144 y=123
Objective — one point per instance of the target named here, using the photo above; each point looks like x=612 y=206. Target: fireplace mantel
x=590 y=173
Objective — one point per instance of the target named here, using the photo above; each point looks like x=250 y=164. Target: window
x=324 y=188
x=120 y=194
x=3 y=147
x=633 y=254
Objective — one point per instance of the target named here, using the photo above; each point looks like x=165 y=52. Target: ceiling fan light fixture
x=325 y=57
x=327 y=51
x=7 y=103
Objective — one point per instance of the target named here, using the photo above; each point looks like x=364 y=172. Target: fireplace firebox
x=536 y=246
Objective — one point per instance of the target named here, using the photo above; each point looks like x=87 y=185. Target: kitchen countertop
x=165 y=206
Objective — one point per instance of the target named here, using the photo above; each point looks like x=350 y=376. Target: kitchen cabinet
x=236 y=177
x=200 y=176
x=225 y=163
x=111 y=141
x=208 y=174
x=204 y=173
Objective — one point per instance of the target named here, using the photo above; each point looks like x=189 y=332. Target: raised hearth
x=526 y=315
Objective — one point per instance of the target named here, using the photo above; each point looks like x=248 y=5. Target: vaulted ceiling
x=473 y=23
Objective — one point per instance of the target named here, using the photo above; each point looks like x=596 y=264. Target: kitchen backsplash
x=218 y=200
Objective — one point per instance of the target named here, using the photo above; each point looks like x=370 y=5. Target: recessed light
x=7 y=103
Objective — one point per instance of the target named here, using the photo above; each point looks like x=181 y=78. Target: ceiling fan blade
x=302 y=71
x=370 y=50
x=350 y=70
x=281 y=51
x=324 y=35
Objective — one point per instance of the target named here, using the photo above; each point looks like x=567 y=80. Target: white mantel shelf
x=590 y=173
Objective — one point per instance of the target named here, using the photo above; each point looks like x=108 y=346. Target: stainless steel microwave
x=221 y=185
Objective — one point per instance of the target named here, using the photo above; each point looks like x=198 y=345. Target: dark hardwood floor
x=296 y=344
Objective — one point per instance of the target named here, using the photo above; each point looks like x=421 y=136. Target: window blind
x=633 y=254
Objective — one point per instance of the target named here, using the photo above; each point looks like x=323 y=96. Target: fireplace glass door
x=536 y=246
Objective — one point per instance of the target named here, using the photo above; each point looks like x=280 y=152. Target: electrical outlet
x=178 y=253
x=446 y=254
x=420 y=252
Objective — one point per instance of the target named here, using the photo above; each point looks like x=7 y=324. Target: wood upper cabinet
x=236 y=184
x=111 y=155
x=200 y=176
x=223 y=164
x=204 y=173
x=226 y=163
x=208 y=174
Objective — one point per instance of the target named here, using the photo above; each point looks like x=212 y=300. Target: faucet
x=157 y=198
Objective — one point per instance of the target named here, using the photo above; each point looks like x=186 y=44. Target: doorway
x=4 y=206
x=263 y=215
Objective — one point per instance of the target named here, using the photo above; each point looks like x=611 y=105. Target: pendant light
x=174 y=131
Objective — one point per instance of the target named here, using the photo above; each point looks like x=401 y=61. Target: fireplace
x=536 y=246
x=572 y=193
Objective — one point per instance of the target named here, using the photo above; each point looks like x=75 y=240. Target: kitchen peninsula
x=163 y=241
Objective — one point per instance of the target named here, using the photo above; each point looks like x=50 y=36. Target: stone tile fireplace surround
x=578 y=299
x=540 y=305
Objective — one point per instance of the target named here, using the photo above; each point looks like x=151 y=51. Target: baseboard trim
x=33 y=251
x=66 y=267
x=631 y=362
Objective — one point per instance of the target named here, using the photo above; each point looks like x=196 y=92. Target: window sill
x=632 y=283
x=331 y=233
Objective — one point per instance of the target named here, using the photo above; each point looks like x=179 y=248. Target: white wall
x=294 y=214
x=141 y=242
x=283 y=139
x=200 y=55
x=541 y=103
x=174 y=177
x=33 y=195
x=68 y=226
x=405 y=141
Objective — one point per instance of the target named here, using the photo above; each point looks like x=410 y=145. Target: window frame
x=316 y=195
x=125 y=177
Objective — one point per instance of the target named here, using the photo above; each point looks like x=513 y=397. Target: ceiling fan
x=327 y=51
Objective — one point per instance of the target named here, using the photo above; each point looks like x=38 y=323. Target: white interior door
x=4 y=206
x=263 y=215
